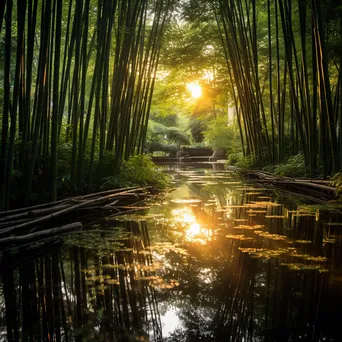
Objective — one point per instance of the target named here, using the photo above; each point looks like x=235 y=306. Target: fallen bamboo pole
x=56 y=215
x=314 y=187
x=51 y=204
x=34 y=213
x=41 y=234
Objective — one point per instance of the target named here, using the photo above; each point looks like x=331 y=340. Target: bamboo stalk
x=22 y=227
x=40 y=235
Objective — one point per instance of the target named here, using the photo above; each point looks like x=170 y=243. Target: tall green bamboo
x=6 y=106
x=302 y=82
x=40 y=90
x=54 y=121
x=61 y=91
x=18 y=86
x=2 y=12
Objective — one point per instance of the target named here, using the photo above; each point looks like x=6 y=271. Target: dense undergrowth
x=294 y=166
x=336 y=181
x=138 y=170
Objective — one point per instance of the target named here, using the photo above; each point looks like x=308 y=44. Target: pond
x=216 y=259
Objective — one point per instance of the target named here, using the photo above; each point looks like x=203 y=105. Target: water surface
x=216 y=259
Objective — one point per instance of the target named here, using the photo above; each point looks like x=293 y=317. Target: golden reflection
x=193 y=230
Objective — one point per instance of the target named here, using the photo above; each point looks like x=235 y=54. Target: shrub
x=156 y=146
x=294 y=167
x=174 y=134
x=138 y=170
x=247 y=162
x=237 y=159
x=221 y=134
x=233 y=158
x=336 y=181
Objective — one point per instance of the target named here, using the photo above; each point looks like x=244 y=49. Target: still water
x=216 y=259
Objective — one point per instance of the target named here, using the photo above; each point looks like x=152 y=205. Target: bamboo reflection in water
x=235 y=315
x=87 y=295
x=34 y=305
x=276 y=284
x=115 y=299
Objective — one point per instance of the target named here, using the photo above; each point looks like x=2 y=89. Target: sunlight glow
x=188 y=218
x=208 y=76
x=193 y=231
x=195 y=89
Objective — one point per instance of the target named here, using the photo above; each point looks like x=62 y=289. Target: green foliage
x=221 y=134
x=138 y=170
x=238 y=160
x=234 y=158
x=174 y=134
x=157 y=146
x=336 y=181
x=165 y=139
x=294 y=167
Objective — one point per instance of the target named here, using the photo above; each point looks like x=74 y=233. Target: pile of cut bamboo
x=314 y=189
x=27 y=225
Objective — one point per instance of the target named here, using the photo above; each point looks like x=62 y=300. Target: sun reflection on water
x=193 y=230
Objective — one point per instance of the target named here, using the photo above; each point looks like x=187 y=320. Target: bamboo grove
x=286 y=82
x=78 y=75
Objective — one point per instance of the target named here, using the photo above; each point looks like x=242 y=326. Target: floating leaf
x=275 y=216
x=186 y=201
x=149 y=278
x=238 y=237
x=317 y=259
x=323 y=270
x=329 y=240
x=301 y=267
x=251 y=250
x=249 y=227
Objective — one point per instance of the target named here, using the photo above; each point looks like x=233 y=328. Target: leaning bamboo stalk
x=7 y=224
x=42 y=234
x=34 y=213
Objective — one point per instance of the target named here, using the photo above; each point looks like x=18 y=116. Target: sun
x=195 y=89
